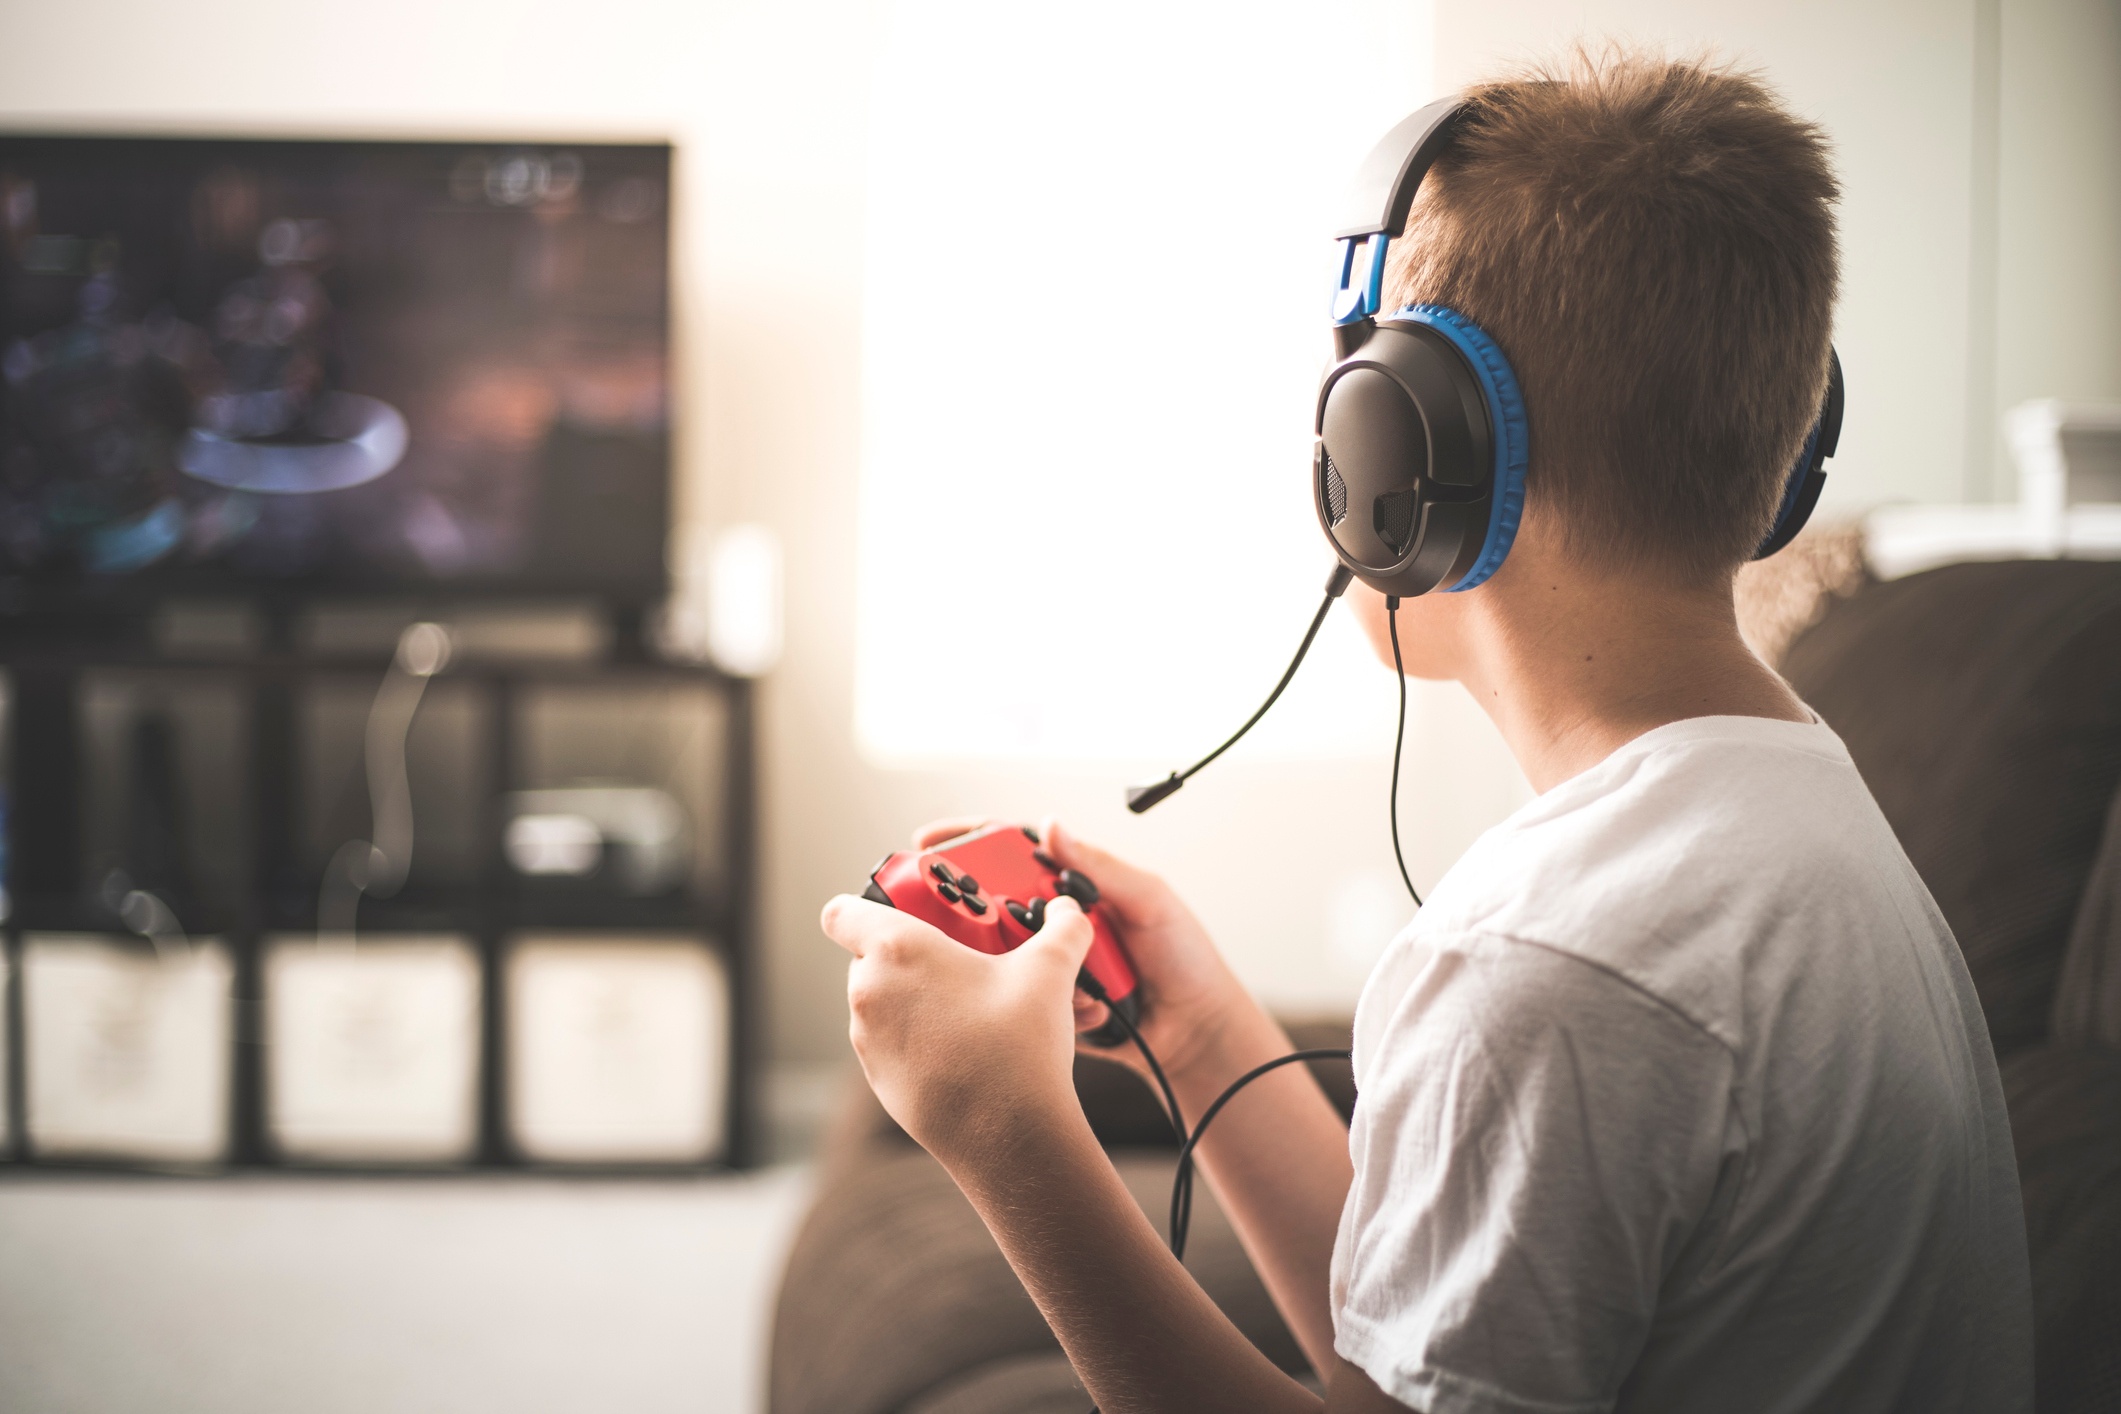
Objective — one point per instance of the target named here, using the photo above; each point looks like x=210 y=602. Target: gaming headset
x=1418 y=474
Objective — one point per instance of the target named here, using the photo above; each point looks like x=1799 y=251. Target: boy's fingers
x=1109 y=872
x=936 y=831
x=858 y=925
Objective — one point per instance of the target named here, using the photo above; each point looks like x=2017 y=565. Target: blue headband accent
x=1354 y=302
x=1498 y=384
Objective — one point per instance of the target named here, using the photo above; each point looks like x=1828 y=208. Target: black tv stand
x=249 y=863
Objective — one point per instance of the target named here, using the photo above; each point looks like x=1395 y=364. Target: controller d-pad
x=941 y=871
x=969 y=884
x=977 y=904
x=1046 y=861
x=949 y=893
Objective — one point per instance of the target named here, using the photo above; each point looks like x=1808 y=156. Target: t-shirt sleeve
x=1536 y=1143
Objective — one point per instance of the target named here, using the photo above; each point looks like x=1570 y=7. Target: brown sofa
x=1983 y=704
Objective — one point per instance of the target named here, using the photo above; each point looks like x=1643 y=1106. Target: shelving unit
x=265 y=751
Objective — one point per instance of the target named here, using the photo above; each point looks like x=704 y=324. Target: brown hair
x=1651 y=242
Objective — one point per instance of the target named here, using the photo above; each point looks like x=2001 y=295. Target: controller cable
x=1181 y=1218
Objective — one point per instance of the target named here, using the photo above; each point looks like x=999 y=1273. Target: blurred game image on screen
x=337 y=365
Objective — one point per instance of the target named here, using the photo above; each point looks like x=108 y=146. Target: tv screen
x=332 y=366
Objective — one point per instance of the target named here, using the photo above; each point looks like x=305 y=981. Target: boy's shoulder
x=1694 y=863
x=1695 y=1002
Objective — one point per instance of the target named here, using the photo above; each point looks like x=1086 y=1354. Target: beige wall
x=1979 y=143
x=1893 y=84
x=768 y=104
x=2059 y=226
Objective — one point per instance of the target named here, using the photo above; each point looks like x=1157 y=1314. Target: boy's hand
x=961 y=1047
x=1189 y=995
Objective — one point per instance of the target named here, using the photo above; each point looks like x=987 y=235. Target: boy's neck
x=1572 y=666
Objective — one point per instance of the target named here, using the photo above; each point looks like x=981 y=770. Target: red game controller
x=989 y=890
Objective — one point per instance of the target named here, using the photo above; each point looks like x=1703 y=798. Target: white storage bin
x=618 y=1048
x=372 y=1048
x=126 y=1048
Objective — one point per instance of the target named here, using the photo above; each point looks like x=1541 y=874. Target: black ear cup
x=1405 y=459
x=1800 y=494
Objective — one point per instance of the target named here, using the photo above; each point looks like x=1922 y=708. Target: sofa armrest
x=2065 y=1108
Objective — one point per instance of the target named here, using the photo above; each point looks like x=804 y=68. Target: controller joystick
x=1077 y=887
x=989 y=890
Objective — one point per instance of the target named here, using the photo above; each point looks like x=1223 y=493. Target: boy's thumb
x=1067 y=932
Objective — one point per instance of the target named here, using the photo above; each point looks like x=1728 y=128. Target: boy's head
x=1652 y=245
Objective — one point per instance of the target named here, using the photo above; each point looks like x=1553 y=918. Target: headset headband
x=1378 y=205
x=1384 y=188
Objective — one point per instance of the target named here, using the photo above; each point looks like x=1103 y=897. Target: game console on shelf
x=989 y=890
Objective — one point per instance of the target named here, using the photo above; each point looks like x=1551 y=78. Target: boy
x=1676 y=1095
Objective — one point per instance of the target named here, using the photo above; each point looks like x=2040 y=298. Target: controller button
x=1020 y=913
x=941 y=871
x=976 y=904
x=949 y=893
x=969 y=884
x=1075 y=886
x=1029 y=833
x=1035 y=918
x=1046 y=860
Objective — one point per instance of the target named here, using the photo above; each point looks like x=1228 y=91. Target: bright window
x=1098 y=248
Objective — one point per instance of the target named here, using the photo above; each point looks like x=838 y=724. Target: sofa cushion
x=2088 y=998
x=1018 y=1384
x=894 y=1288
x=2065 y=1108
x=1982 y=702
x=1021 y=1384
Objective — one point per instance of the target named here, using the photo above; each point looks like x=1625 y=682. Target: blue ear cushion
x=1498 y=382
x=1792 y=487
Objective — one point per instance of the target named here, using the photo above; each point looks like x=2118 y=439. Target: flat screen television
x=293 y=367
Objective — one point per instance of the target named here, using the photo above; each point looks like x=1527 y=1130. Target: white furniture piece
x=2068 y=507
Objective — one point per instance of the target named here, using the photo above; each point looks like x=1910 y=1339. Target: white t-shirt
x=1677 y=1096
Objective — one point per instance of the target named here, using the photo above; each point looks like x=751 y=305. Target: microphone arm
x=1142 y=798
